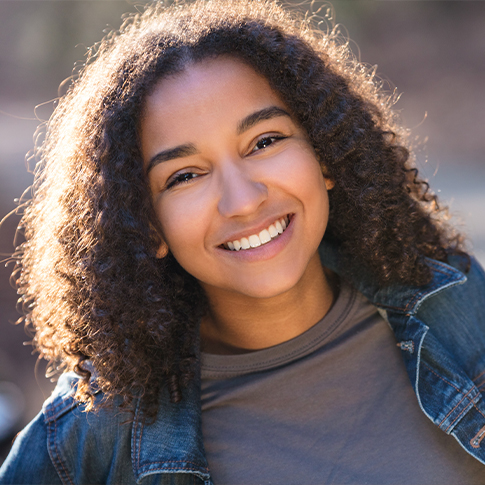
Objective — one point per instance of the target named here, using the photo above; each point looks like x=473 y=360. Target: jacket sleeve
x=28 y=461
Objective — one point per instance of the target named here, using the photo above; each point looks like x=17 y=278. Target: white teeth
x=254 y=241
x=264 y=237
x=245 y=243
x=273 y=232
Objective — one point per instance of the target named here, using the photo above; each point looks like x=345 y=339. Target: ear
x=329 y=183
x=162 y=250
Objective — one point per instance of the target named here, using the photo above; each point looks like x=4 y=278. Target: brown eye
x=265 y=142
x=181 y=178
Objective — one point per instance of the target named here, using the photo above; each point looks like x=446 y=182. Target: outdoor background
x=431 y=51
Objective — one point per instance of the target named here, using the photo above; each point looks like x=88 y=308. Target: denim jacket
x=440 y=329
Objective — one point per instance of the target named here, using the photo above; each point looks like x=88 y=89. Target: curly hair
x=89 y=279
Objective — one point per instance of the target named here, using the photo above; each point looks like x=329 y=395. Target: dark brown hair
x=91 y=284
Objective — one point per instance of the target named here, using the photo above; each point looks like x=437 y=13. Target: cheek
x=300 y=166
x=309 y=185
x=183 y=222
x=300 y=174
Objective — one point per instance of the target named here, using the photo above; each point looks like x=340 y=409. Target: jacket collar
x=396 y=297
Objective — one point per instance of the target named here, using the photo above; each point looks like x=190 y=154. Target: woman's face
x=228 y=166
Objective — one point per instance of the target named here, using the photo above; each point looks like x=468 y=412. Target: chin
x=268 y=287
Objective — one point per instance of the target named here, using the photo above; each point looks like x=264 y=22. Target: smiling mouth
x=264 y=237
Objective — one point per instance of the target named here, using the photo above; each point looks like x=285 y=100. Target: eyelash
x=185 y=177
x=272 y=138
x=179 y=179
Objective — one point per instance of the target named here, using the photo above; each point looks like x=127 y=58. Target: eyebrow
x=177 y=152
x=245 y=124
x=261 y=115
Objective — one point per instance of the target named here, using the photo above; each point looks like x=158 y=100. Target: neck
x=238 y=323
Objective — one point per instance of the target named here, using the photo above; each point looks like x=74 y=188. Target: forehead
x=217 y=92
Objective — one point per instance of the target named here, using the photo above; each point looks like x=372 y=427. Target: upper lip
x=254 y=229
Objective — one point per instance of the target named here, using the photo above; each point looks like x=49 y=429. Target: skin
x=218 y=171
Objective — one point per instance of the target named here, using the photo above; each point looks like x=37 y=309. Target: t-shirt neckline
x=223 y=366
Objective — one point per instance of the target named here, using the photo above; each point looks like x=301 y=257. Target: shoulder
x=475 y=286
x=28 y=460
x=63 y=438
x=64 y=410
x=456 y=315
x=464 y=300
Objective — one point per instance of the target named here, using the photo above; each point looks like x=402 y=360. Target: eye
x=266 y=141
x=181 y=178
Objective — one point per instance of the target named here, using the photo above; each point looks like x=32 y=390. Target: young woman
x=226 y=241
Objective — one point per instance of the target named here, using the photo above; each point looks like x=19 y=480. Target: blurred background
x=430 y=51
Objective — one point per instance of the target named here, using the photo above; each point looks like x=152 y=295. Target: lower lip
x=265 y=251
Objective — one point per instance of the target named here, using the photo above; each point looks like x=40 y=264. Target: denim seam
x=162 y=462
x=416 y=297
x=138 y=441
x=195 y=469
x=475 y=406
x=62 y=473
x=479 y=384
x=49 y=438
x=196 y=466
x=419 y=294
x=134 y=464
x=459 y=414
x=477 y=439
x=442 y=378
x=461 y=400
x=60 y=411
x=53 y=409
x=139 y=444
x=464 y=396
x=479 y=375
x=58 y=455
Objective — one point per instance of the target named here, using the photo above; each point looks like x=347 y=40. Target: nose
x=240 y=195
